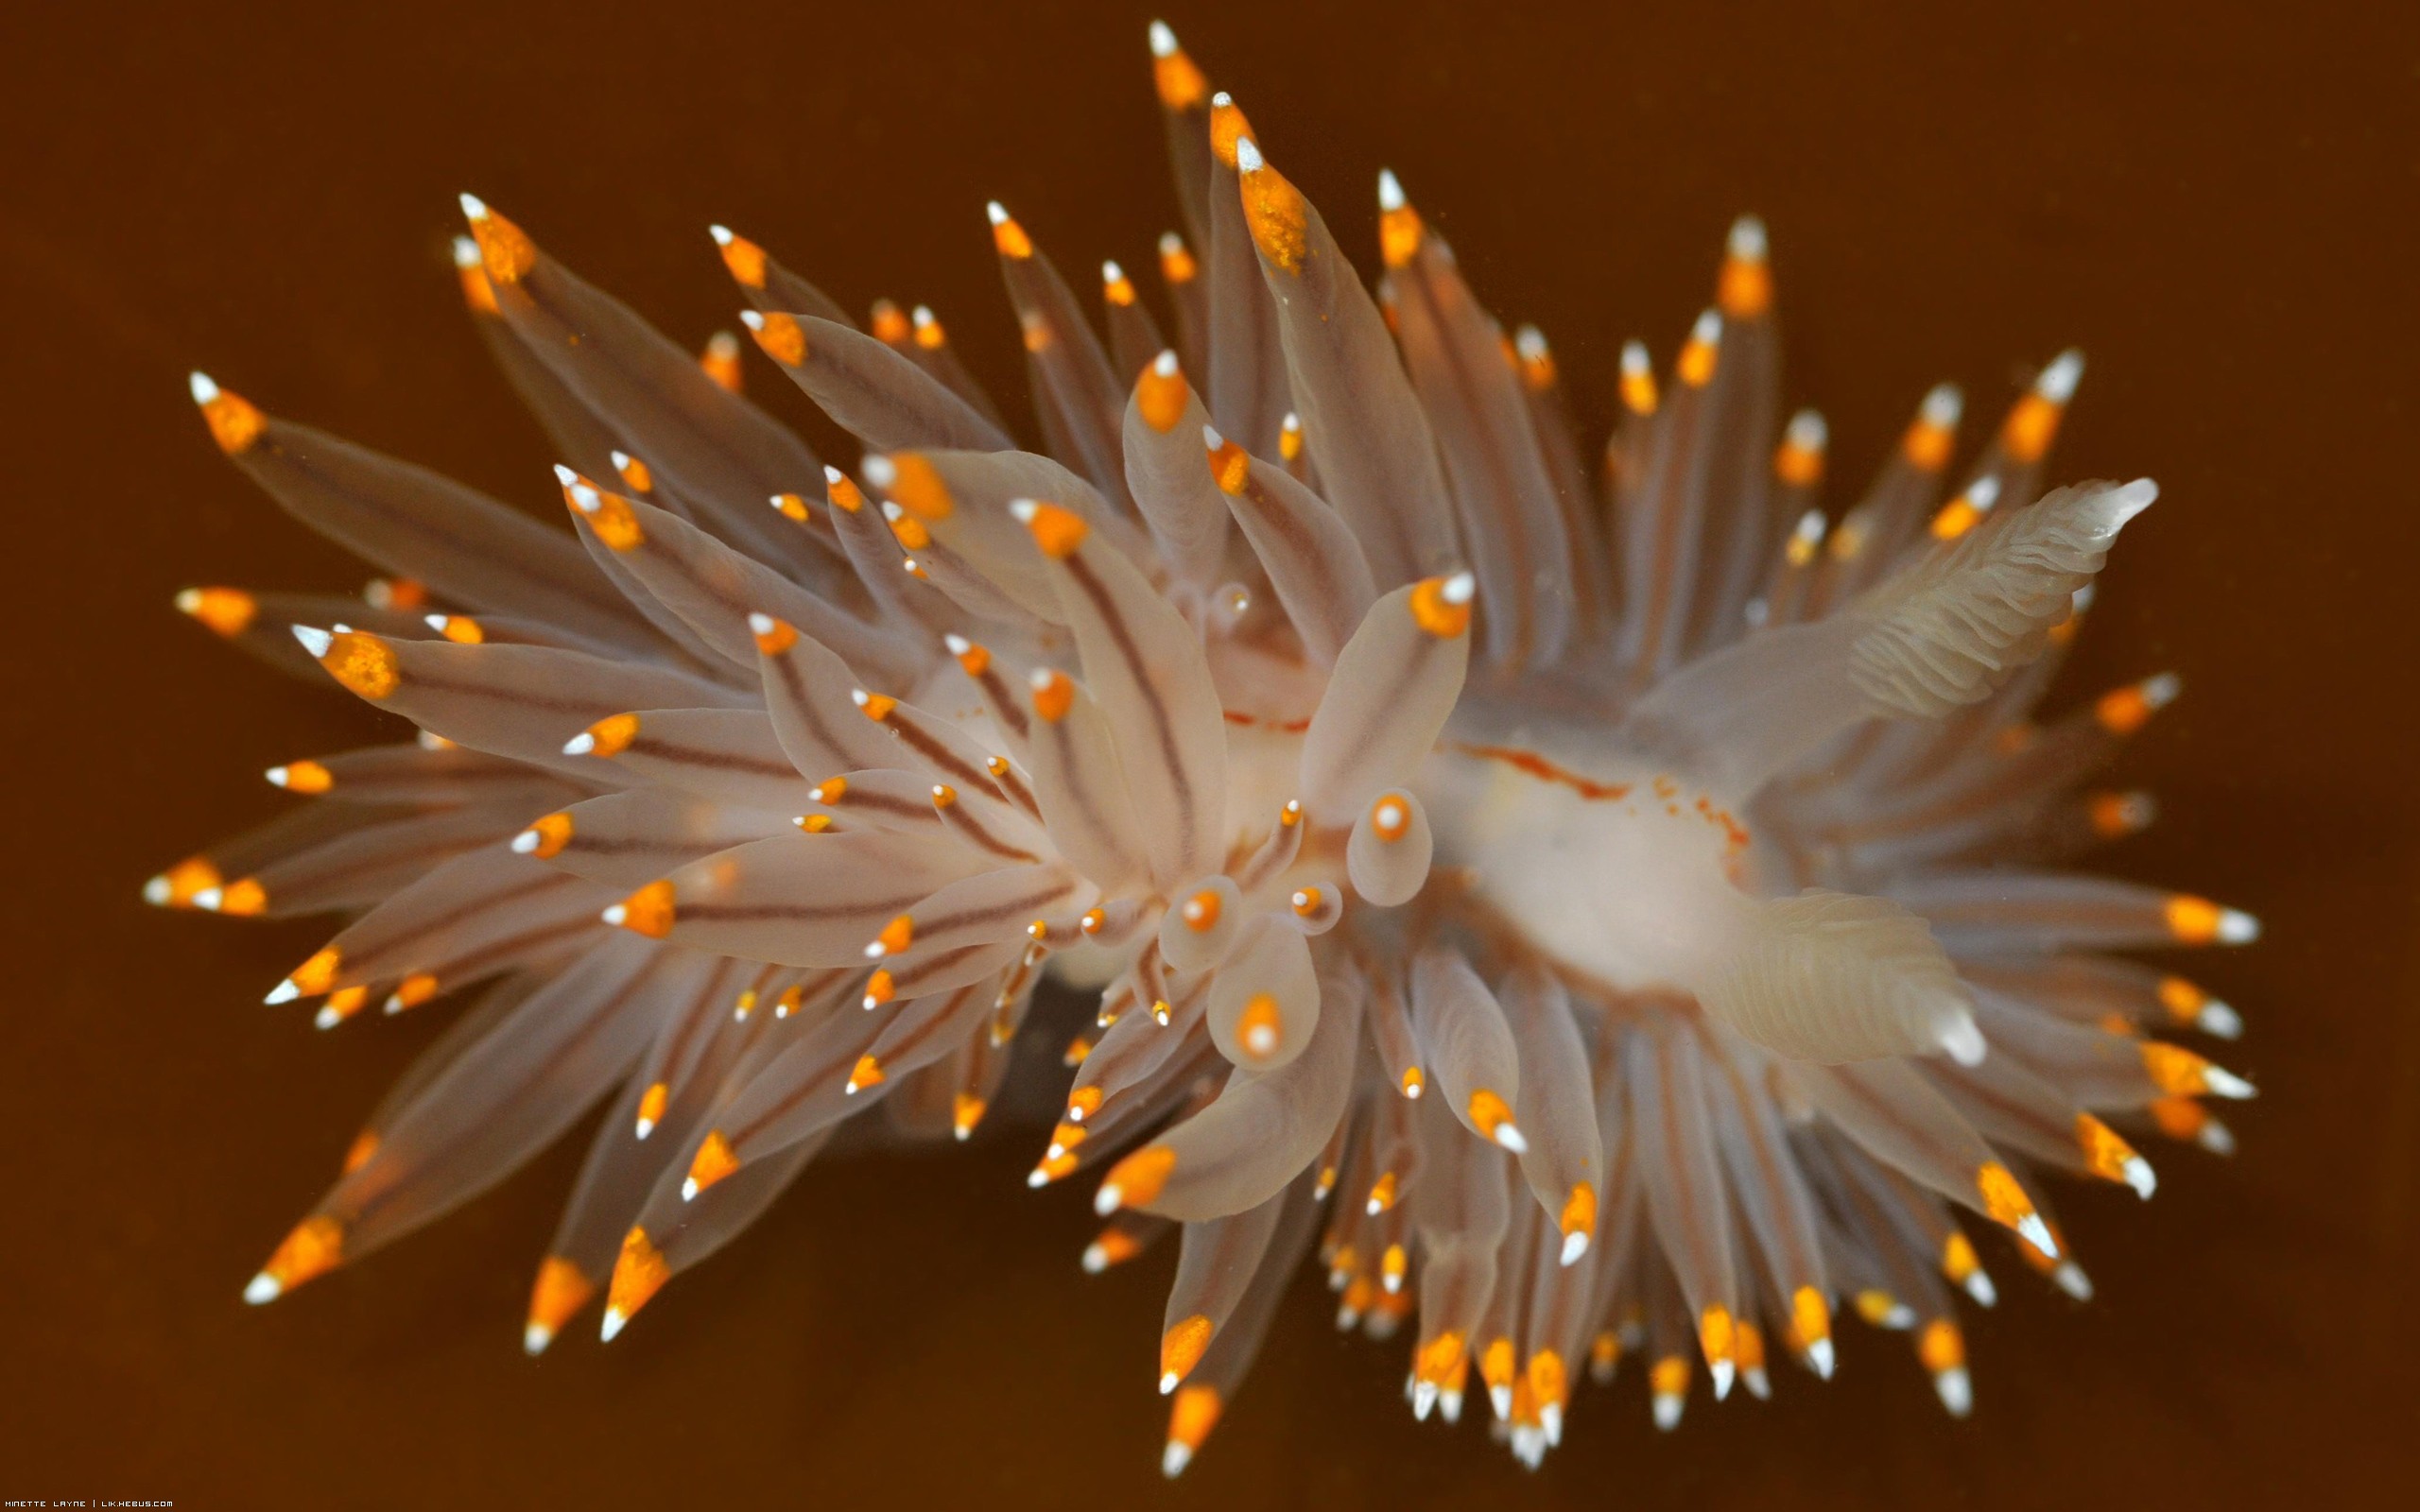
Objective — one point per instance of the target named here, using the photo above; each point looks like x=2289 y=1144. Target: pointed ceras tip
x=612 y=1325
x=2058 y=381
x=198 y=383
x=1163 y=39
x=1248 y=159
x=473 y=207
x=1746 y=241
x=262 y=1288
x=1390 y=190
x=535 y=1337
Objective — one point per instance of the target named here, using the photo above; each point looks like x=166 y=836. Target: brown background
x=2219 y=212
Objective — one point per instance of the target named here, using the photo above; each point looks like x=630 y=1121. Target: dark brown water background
x=2216 y=202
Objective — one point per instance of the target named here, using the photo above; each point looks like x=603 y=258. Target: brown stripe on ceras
x=884 y=803
x=1123 y=638
x=1013 y=913
x=634 y=845
x=647 y=744
x=602 y=1014
x=2058 y=1134
x=795 y=686
x=585 y=711
x=381 y=948
x=503 y=951
x=956 y=818
x=1290 y=531
x=452 y=846
x=1768 y=1163
x=1004 y=704
x=756 y=913
x=932 y=1026
x=1675 y=431
x=1525 y=629
x=1856 y=1190
x=686 y=1024
x=906 y=726
x=420 y=525
x=1700 y=1238
x=1057 y=731
x=823 y=1073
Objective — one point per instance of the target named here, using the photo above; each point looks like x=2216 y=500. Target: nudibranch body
x=1596 y=910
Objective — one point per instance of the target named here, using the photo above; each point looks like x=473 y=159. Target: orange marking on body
x=2192 y=920
x=1800 y=467
x=1194 y=1415
x=505 y=250
x=745 y=261
x=652 y=1105
x=2104 y=1154
x=965 y=1111
x=2002 y=1197
x=1176 y=262
x=1399 y=233
x=2179 y=1117
x=1227 y=124
x=243 y=897
x=2181 y=999
x=867 y=1072
x=1139 y=1176
x=720 y=361
x=1927 y=445
x=1532 y=763
x=916 y=488
x=1230 y=466
x=781 y=338
x=639 y=1272
x=315 y=1248
x=2030 y=428
x=779 y=639
x=413 y=990
x=1178 y=82
x=192 y=875
x=233 y=422
x=1580 y=1211
x=714 y=1161
x=1182 y=1348
x=1160 y=398
x=560 y=1291
x=649 y=911
x=363 y=663
x=2175 y=1070
x=1745 y=288
x=1434 y=610
x=1437 y=1359
x=228 y=611
x=1054 y=694
x=317 y=975
x=612 y=734
x=1278 y=216
x=1382 y=1193
x=1489 y=1112
x=1059 y=532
